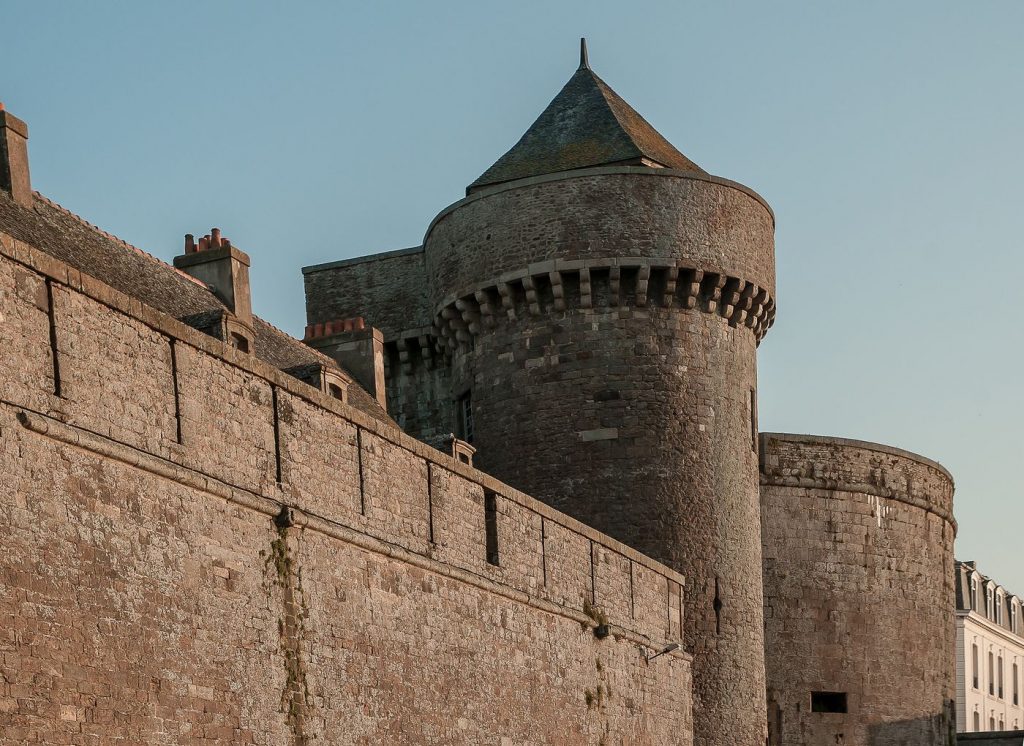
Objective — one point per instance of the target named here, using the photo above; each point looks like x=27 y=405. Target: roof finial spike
x=584 y=62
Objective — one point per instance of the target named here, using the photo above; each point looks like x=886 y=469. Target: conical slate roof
x=587 y=124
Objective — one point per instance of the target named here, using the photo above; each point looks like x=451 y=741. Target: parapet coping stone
x=865 y=445
x=583 y=173
x=47 y=265
x=362 y=259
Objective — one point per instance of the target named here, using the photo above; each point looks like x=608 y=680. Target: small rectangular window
x=828 y=702
x=491 y=526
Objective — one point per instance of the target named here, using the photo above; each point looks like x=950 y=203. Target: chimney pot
x=223 y=268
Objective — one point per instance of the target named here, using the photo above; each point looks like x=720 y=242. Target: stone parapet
x=843 y=465
x=655 y=216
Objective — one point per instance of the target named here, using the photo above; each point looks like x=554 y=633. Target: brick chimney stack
x=225 y=269
x=14 y=174
x=357 y=348
x=221 y=266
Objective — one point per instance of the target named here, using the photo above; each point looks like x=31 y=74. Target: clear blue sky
x=887 y=137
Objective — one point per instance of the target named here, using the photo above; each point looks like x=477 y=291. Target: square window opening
x=828 y=702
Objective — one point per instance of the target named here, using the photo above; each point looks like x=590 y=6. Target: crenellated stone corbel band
x=630 y=281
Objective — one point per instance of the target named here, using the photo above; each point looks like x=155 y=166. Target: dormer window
x=334 y=385
x=989 y=608
x=974 y=593
x=999 y=608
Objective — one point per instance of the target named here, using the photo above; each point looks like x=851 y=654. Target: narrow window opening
x=544 y=555
x=491 y=526
x=1016 y=690
x=828 y=702
x=277 y=435
x=336 y=391
x=977 y=722
x=991 y=674
x=974 y=664
x=465 y=417
x=430 y=500
x=177 y=393
x=52 y=317
x=999 y=678
x=717 y=606
x=362 y=477
x=753 y=420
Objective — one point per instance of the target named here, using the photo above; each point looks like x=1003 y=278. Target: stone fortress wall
x=201 y=548
x=604 y=323
x=858 y=577
x=595 y=307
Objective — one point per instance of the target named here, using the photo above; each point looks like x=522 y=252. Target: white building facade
x=989 y=655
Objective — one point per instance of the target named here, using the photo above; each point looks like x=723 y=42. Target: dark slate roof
x=67 y=237
x=587 y=124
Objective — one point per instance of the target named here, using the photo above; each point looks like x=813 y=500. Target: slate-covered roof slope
x=587 y=124
x=67 y=237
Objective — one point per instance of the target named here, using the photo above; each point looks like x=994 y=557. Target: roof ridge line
x=112 y=237
x=604 y=89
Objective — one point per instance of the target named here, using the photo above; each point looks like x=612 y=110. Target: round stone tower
x=858 y=584
x=602 y=298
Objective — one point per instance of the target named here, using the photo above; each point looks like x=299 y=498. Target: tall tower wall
x=603 y=327
x=858 y=583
